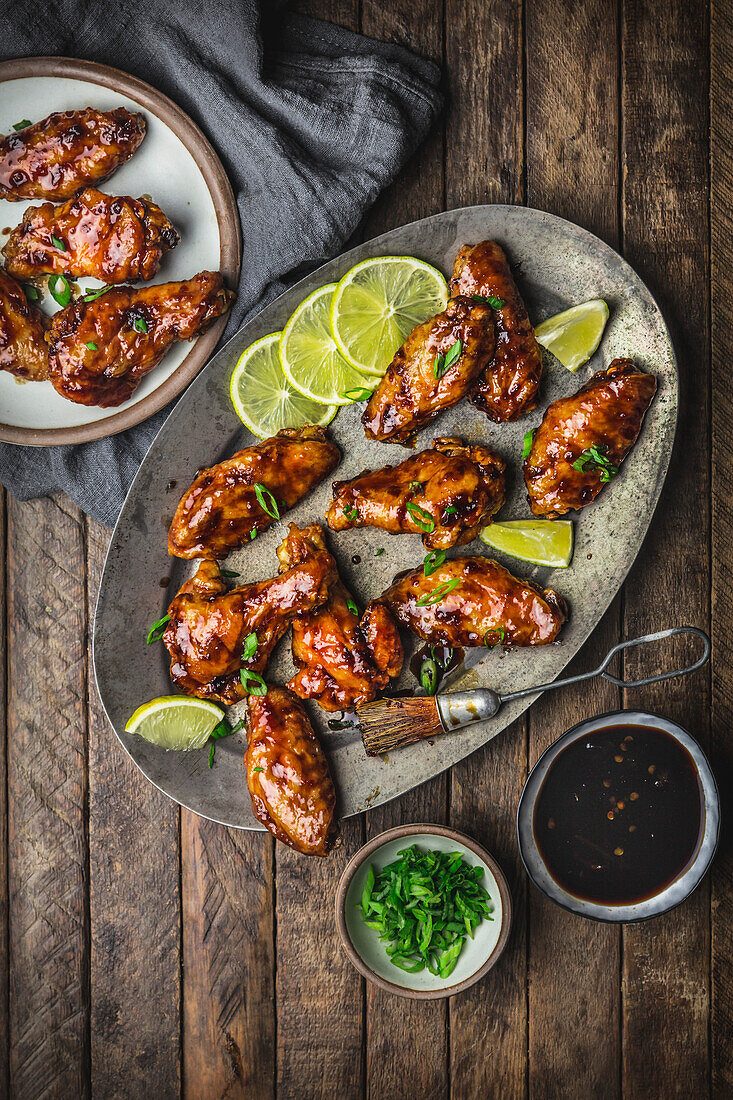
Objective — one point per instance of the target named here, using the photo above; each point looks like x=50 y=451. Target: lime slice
x=377 y=304
x=175 y=722
x=310 y=359
x=263 y=398
x=542 y=541
x=574 y=335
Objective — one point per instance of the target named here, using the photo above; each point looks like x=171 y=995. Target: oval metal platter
x=556 y=265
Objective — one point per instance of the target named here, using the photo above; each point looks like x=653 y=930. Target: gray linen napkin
x=310 y=121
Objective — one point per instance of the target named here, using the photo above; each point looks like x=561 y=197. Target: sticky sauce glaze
x=619 y=815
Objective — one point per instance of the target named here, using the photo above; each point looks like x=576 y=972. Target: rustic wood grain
x=4 y=917
x=484 y=156
x=135 y=908
x=572 y=170
x=228 y=961
x=47 y=791
x=666 y=971
x=721 y=225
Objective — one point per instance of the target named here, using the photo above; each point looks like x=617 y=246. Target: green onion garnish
x=351 y=513
x=140 y=324
x=31 y=292
x=93 y=294
x=444 y=660
x=253 y=534
x=378 y=552
x=60 y=290
x=498 y=630
x=252 y=682
x=352 y=606
x=495 y=303
x=444 y=361
x=157 y=630
x=22 y=124
x=429 y=675
x=438 y=593
x=527 y=446
x=266 y=498
x=596 y=458
x=228 y=572
x=92 y=346
x=361 y=394
x=421 y=518
x=432 y=561
x=222 y=730
x=58 y=243
x=250 y=647
x=423 y=905
x=451 y=510
x=416 y=487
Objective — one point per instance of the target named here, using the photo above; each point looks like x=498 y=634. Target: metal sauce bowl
x=681 y=887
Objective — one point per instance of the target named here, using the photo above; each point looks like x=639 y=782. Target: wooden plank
x=47 y=790
x=228 y=961
x=484 y=159
x=721 y=224
x=572 y=170
x=135 y=908
x=666 y=970
x=4 y=916
x=394 y=1068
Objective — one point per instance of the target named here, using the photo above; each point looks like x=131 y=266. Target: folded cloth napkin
x=310 y=121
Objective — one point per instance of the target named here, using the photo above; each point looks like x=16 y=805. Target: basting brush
x=388 y=724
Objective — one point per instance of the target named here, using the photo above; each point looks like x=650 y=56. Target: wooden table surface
x=149 y=953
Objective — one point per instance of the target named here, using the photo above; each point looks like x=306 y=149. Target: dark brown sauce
x=619 y=814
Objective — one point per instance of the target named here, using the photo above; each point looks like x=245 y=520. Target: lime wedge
x=541 y=541
x=574 y=335
x=377 y=304
x=175 y=722
x=263 y=398
x=310 y=359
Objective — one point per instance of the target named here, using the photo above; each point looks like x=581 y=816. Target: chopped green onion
x=22 y=124
x=451 y=510
x=429 y=676
x=495 y=303
x=31 y=292
x=253 y=534
x=351 y=513
x=228 y=573
x=438 y=593
x=352 y=606
x=379 y=551
x=416 y=487
x=439 y=365
x=222 y=730
x=58 y=243
x=140 y=324
x=252 y=682
x=157 y=630
x=258 y=769
x=91 y=295
x=433 y=561
x=421 y=518
x=443 y=362
x=60 y=289
x=596 y=458
x=92 y=346
x=250 y=647
x=444 y=660
x=266 y=498
x=498 y=630
x=527 y=445
x=361 y=394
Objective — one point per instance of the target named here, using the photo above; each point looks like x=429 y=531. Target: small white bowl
x=367 y=952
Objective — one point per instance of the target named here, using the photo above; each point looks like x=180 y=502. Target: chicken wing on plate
x=103 y=345
x=107 y=237
x=228 y=504
x=211 y=629
x=342 y=658
x=288 y=777
x=475 y=602
x=447 y=493
x=507 y=389
x=23 y=349
x=432 y=371
x=583 y=439
x=53 y=158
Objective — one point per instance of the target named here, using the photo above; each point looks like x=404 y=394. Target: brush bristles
x=388 y=724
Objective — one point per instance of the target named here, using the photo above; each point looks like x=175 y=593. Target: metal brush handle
x=459 y=708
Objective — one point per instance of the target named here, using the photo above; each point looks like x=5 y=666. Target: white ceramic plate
x=178 y=169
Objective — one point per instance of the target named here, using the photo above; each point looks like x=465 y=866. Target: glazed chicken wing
x=287 y=774
x=583 y=439
x=23 y=349
x=107 y=237
x=342 y=659
x=103 y=344
x=432 y=371
x=53 y=158
x=448 y=493
x=222 y=509
x=507 y=389
x=208 y=625
x=475 y=602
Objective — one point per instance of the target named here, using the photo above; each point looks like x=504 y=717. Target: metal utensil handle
x=601 y=670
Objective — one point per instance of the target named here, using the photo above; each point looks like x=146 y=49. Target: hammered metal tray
x=556 y=264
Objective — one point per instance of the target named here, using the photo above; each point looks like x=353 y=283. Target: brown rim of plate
x=226 y=214
x=421 y=829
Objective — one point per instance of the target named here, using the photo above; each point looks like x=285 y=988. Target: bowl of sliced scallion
x=423 y=911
